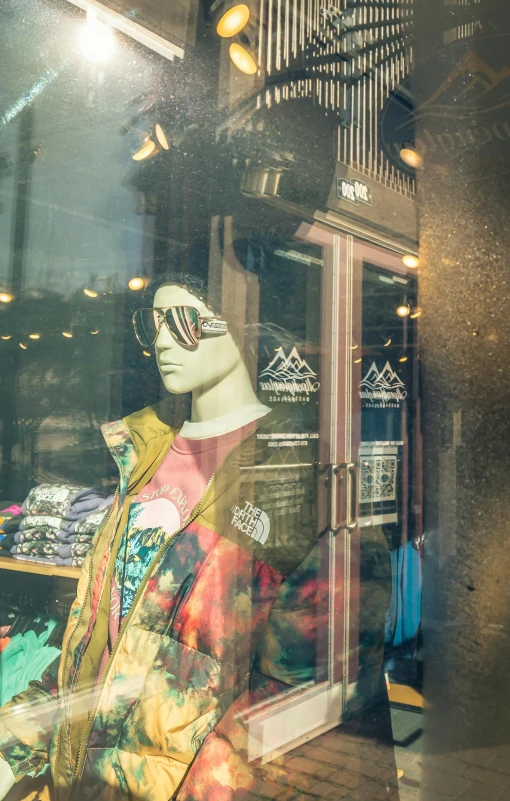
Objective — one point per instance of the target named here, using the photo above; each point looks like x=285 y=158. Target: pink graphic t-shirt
x=160 y=509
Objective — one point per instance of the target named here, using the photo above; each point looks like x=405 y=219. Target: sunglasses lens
x=184 y=324
x=145 y=323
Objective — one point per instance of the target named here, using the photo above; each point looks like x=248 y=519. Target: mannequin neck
x=231 y=393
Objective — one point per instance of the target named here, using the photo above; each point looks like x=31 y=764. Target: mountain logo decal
x=382 y=388
x=289 y=375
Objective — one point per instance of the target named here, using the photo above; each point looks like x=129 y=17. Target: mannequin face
x=187 y=369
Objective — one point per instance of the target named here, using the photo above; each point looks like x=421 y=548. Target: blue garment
x=404 y=614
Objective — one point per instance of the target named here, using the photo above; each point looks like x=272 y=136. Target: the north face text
x=251 y=521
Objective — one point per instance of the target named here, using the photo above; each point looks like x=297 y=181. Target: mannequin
x=224 y=410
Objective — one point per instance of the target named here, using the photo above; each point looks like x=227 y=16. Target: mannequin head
x=184 y=369
x=213 y=371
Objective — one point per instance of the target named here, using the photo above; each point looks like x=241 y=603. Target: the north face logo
x=252 y=521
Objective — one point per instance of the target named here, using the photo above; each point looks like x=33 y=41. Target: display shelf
x=40 y=568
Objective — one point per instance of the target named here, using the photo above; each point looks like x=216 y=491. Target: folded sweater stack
x=59 y=523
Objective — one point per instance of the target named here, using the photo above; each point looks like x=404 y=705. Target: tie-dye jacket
x=227 y=618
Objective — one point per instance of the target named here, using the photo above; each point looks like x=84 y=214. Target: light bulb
x=145 y=151
x=136 y=283
x=411 y=157
x=90 y=293
x=22 y=346
x=403 y=359
x=403 y=310
x=161 y=137
x=96 y=40
x=5 y=297
x=410 y=261
x=242 y=59
x=34 y=336
x=233 y=20
x=67 y=334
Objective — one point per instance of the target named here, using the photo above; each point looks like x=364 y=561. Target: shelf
x=38 y=567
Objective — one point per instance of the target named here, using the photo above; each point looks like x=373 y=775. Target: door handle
x=352 y=497
x=346 y=499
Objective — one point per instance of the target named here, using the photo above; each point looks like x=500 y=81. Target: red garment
x=4 y=642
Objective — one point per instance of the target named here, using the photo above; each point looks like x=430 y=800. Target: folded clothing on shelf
x=51 y=515
x=12 y=524
x=63 y=500
x=36 y=548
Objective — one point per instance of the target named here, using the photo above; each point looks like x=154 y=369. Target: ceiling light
x=403 y=359
x=67 y=334
x=354 y=347
x=145 y=151
x=416 y=313
x=5 y=337
x=357 y=361
x=410 y=261
x=95 y=332
x=34 y=336
x=96 y=40
x=388 y=343
x=233 y=20
x=242 y=59
x=161 y=137
x=136 y=284
x=403 y=310
x=411 y=157
x=90 y=293
x=146 y=353
x=5 y=297
x=22 y=346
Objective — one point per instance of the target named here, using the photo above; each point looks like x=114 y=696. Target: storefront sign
x=382 y=389
x=462 y=112
x=353 y=191
x=288 y=378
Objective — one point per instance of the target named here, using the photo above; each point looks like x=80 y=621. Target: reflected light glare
x=354 y=347
x=146 y=353
x=5 y=297
x=136 y=284
x=403 y=311
x=34 y=336
x=410 y=261
x=95 y=332
x=411 y=157
x=416 y=313
x=357 y=361
x=67 y=334
x=90 y=293
x=403 y=359
x=22 y=346
x=233 y=20
x=242 y=59
x=6 y=337
x=388 y=343
x=96 y=40
x=161 y=137
x=145 y=151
